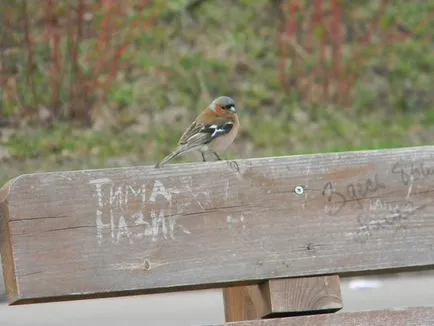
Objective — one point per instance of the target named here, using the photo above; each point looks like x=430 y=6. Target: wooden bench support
x=283 y=297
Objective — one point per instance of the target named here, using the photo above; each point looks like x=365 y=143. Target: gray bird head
x=224 y=102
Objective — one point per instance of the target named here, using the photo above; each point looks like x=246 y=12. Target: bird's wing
x=190 y=131
x=200 y=134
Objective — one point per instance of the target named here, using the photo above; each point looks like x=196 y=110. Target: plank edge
x=8 y=261
x=189 y=165
x=408 y=314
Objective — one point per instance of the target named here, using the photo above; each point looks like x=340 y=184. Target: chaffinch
x=212 y=131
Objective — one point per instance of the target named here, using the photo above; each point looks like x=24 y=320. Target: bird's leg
x=217 y=156
x=203 y=157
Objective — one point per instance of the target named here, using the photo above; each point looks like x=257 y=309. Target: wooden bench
x=275 y=233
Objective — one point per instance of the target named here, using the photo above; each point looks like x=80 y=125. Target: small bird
x=212 y=131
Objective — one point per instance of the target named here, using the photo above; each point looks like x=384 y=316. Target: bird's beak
x=232 y=109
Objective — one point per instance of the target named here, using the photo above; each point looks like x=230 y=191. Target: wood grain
x=141 y=229
x=402 y=317
x=246 y=302
x=283 y=297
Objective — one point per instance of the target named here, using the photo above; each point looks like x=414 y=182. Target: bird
x=214 y=129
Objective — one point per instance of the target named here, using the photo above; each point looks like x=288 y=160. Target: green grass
x=62 y=147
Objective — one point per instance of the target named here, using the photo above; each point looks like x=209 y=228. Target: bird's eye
x=230 y=107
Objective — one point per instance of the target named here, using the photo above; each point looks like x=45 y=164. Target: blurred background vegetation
x=99 y=83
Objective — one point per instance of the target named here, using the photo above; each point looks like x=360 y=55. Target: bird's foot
x=217 y=156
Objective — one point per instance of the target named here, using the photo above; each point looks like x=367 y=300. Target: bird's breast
x=223 y=142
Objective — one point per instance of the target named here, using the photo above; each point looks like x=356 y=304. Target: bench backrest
x=140 y=229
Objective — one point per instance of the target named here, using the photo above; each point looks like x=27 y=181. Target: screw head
x=299 y=190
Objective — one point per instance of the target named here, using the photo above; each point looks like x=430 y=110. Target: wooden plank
x=283 y=297
x=403 y=317
x=142 y=229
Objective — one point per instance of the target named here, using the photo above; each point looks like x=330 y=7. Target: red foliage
x=76 y=78
x=334 y=74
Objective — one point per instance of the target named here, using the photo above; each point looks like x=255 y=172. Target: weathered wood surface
x=283 y=297
x=404 y=317
x=145 y=229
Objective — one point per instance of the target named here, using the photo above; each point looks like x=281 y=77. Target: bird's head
x=223 y=106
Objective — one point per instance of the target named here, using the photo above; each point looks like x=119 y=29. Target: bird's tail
x=175 y=153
